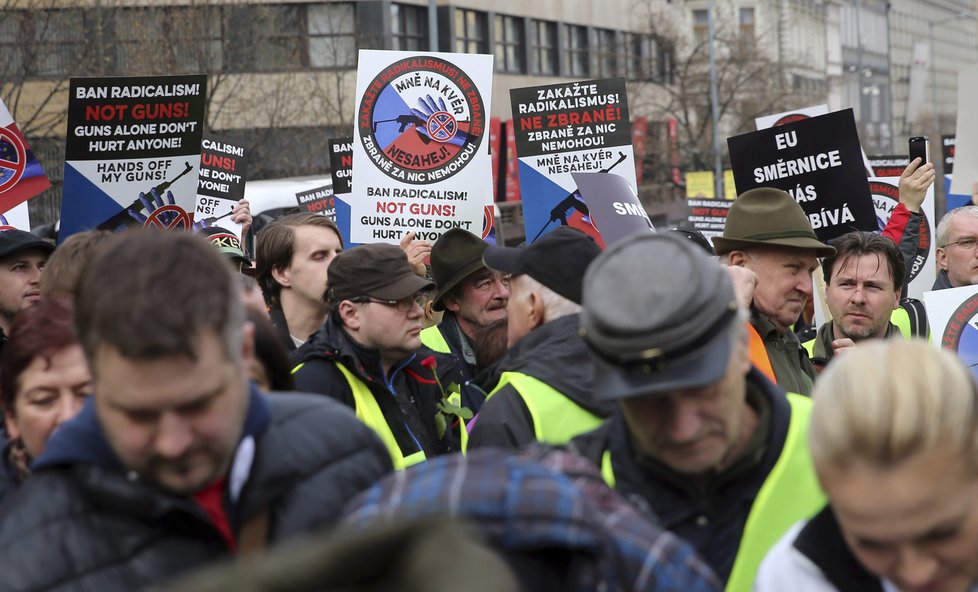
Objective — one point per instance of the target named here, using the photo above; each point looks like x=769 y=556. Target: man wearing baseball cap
x=768 y=233
x=369 y=355
x=472 y=296
x=22 y=259
x=700 y=439
x=541 y=388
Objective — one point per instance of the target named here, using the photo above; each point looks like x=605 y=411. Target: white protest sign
x=952 y=315
x=421 y=145
x=966 y=141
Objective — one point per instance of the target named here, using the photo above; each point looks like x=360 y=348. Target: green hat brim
x=725 y=245
x=438 y=300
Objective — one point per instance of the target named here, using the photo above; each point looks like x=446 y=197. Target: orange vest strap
x=758 y=354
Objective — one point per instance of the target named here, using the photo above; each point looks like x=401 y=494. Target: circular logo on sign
x=791 y=118
x=961 y=333
x=13 y=159
x=421 y=120
x=169 y=217
x=885 y=199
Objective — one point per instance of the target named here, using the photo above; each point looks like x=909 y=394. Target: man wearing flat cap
x=700 y=439
x=369 y=355
x=22 y=259
x=768 y=233
x=471 y=295
x=540 y=390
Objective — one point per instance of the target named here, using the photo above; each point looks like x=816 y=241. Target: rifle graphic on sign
x=123 y=218
x=574 y=202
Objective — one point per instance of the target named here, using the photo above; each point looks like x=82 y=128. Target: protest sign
x=613 y=205
x=729 y=186
x=703 y=211
x=341 y=165
x=966 y=135
x=318 y=201
x=21 y=175
x=886 y=196
x=561 y=129
x=221 y=183
x=132 y=152
x=818 y=161
x=888 y=165
x=952 y=315
x=777 y=119
x=947 y=154
x=421 y=146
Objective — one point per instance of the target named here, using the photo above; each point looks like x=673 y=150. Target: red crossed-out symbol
x=442 y=126
x=169 y=218
x=11 y=171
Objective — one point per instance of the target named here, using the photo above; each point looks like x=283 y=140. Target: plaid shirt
x=542 y=499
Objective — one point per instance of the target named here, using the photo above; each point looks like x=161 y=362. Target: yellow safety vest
x=434 y=340
x=900 y=317
x=790 y=493
x=556 y=417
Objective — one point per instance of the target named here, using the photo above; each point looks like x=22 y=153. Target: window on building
x=640 y=56
x=606 y=53
x=332 y=35
x=510 y=44
x=747 y=26
x=194 y=36
x=665 y=64
x=12 y=45
x=471 y=31
x=58 y=42
x=543 y=47
x=265 y=37
x=701 y=31
x=576 y=47
x=409 y=27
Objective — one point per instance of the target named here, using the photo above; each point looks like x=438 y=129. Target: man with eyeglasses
x=540 y=390
x=471 y=295
x=369 y=356
x=957 y=255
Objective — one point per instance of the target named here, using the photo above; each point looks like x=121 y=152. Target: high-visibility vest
x=556 y=417
x=434 y=340
x=899 y=317
x=790 y=493
x=758 y=354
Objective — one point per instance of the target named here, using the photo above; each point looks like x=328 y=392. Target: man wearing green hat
x=471 y=295
x=768 y=233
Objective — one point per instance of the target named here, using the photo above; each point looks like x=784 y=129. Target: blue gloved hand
x=428 y=109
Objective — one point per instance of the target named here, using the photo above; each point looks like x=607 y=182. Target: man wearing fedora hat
x=471 y=295
x=768 y=233
x=700 y=439
x=369 y=356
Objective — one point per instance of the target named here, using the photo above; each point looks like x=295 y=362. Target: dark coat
x=82 y=522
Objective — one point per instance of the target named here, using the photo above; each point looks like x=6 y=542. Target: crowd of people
x=460 y=415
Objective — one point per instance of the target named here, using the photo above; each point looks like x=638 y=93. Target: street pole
x=714 y=102
x=433 y=25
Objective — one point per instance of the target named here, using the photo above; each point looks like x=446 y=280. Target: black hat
x=226 y=242
x=13 y=241
x=454 y=256
x=558 y=260
x=657 y=316
x=690 y=233
x=378 y=270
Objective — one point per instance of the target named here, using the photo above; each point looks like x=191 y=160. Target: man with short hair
x=22 y=259
x=293 y=254
x=957 y=255
x=700 y=440
x=863 y=282
x=369 y=356
x=540 y=390
x=176 y=459
x=471 y=295
x=768 y=233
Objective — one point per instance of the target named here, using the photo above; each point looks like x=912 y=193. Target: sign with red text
x=886 y=196
x=421 y=145
x=221 y=183
x=132 y=152
x=21 y=175
x=952 y=315
x=561 y=129
x=318 y=201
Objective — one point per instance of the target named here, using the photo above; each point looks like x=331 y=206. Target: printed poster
x=560 y=129
x=132 y=152
x=318 y=201
x=923 y=271
x=21 y=175
x=952 y=315
x=221 y=183
x=421 y=145
x=614 y=206
x=819 y=162
x=777 y=119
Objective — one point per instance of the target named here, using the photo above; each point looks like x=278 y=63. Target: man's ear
x=537 y=310
x=450 y=304
x=737 y=258
x=942 y=258
x=282 y=276
x=350 y=315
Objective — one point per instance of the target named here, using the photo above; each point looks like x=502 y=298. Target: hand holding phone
x=920 y=147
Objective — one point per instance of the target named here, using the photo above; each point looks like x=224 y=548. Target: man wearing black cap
x=541 y=388
x=22 y=259
x=472 y=296
x=701 y=440
x=768 y=233
x=369 y=355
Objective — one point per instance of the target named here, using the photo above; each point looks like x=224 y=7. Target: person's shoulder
x=786 y=568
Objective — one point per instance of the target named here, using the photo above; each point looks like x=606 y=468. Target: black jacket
x=277 y=316
x=715 y=529
x=82 y=522
x=408 y=398
x=450 y=331
x=553 y=353
x=821 y=541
